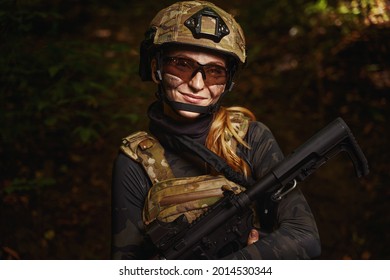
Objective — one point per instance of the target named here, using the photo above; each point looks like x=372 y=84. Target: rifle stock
x=225 y=226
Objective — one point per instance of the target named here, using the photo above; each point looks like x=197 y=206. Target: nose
x=197 y=81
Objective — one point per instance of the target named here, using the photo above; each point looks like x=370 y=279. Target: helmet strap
x=180 y=106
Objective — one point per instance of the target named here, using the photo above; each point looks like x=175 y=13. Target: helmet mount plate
x=207 y=24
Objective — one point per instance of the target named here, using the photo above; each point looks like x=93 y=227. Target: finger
x=253 y=236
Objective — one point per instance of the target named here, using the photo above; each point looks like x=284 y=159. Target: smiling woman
x=193 y=78
x=192 y=52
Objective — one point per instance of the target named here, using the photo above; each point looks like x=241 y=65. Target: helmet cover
x=195 y=23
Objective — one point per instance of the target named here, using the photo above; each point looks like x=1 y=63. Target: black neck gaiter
x=161 y=125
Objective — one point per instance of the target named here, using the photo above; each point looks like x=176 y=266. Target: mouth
x=192 y=98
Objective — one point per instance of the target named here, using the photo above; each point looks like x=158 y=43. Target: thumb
x=253 y=237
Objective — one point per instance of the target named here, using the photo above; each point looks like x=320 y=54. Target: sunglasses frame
x=170 y=65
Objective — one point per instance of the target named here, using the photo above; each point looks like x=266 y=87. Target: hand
x=253 y=237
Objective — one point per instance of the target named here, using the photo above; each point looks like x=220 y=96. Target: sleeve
x=295 y=235
x=129 y=189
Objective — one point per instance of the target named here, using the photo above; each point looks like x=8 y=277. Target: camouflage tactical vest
x=170 y=197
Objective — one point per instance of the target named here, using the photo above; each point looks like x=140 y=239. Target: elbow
x=314 y=250
x=312 y=246
x=308 y=241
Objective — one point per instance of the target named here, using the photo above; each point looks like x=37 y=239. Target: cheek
x=216 y=91
x=171 y=82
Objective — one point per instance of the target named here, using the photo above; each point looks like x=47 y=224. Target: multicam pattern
x=188 y=196
x=146 y=150
x=170 y=28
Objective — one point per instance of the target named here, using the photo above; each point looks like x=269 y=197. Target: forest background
x=69 y=91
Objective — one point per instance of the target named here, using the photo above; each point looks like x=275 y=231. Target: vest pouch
x=190 y=196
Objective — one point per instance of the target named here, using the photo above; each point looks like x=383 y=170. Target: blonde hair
x=221 y=131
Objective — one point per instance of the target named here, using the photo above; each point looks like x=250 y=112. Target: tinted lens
x=186 y=69
x=215 y=74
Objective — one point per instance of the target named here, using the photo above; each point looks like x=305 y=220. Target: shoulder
x=147 y=151
x=258 y=131
x=126 y=169
x=130 y=182
x=127 y=165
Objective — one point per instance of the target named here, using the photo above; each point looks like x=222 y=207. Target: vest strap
x=146 y=150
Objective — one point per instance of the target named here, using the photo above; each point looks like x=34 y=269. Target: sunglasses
x=186 y=69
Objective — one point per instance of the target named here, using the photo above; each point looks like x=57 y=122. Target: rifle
x=224 y=228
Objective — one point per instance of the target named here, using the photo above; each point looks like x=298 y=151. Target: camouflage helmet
x=195 y=23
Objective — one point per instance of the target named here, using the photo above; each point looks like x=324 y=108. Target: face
x=193 y=77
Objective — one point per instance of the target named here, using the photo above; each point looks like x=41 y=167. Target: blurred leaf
x=86 y=134
x=19 y=185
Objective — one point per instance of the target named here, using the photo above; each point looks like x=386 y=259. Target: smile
x=192 y=98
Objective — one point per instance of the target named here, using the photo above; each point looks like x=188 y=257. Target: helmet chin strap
x=179 y=106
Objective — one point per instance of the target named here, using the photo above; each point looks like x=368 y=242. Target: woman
x=192 y=52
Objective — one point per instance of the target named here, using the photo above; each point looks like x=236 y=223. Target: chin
x=188 y=115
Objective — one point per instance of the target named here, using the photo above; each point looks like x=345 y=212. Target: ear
x=156 y=74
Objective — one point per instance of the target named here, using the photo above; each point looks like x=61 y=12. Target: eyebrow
x=213 y=62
